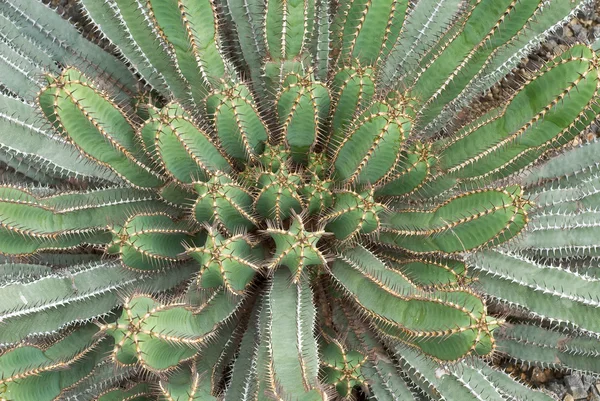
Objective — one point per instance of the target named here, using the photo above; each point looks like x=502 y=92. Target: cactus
x=293 y=200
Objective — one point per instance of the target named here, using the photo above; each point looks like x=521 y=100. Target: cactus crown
x=291 y=200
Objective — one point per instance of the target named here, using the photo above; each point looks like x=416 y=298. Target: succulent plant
x=293 y=200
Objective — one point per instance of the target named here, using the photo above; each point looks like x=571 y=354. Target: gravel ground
x=582 y=29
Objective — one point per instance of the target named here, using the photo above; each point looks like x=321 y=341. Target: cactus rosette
x=291 y=200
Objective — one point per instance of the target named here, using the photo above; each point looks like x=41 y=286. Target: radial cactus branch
x=446 y=325
x=226 y=262
x=159 y=336
x=35 y=372
x=83 y=292
x=296 y=248
x=482 y=217
x=537 y=346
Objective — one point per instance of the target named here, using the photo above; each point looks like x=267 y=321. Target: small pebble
x=576 y=28
x=588 y=381
x=538 y=376
x=575 y=387
x=557 y=389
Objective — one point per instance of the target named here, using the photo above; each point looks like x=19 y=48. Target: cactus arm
x=370 y=35
x=397 y=309
x=107 y=16
x=353 y=213
x=43 y=231
x=419 y=33
x=137 y=391
x=385 y=380
x=24 y=135
x=321 y=41
x=222 y=201
x=527 y=127
x=296 y=248
x=173 y=22
x=26 y=47
x=561 y=235
x=536 y=288
x=200 y=16
x=150 y=242
x=464 y=381
x=506 y=385
x=352 y=90
x=147 y=41
x=571 y=164
x=212 y=363
x=102 y=378
x=395 y=23
x=31 y=372
x=364 y=30
x=568 y=194
x=566 y=187
x=372 y=145
x=225 y=262
x=185 y=151
x=95 y=125
x=20 y=169
x=64 y=44
x=264 y=380
x=158 y=336
x=487 y=26
x=429 y=272
x=537 y=346
x=503 y=214
x=303 y=108
x=424 y=373
x=184 y=384
x=409 y=174
x=278 y=197
x=65 y=220
x=288 y=25
x=20 y=74
x=238 y=125
x=243 y=385
x=545 y=21
x=246 y=20
x=291 y=310
x=84 y=292
x=63 y=260
x=12 y=273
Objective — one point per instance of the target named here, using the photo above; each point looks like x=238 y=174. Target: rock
x=588 y=381
x=568 y=397
x=538 y=376
x=576 y=28
x=568 y=33
x=582 y=37
x=575 y=387
x=557 y=388
x=594 y=397
x=549 y=374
